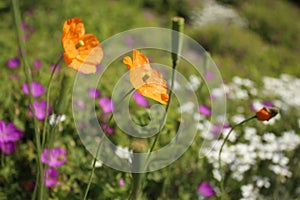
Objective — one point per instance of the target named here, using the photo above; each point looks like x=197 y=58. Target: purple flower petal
x=52 y=67
x=54 y=157
x=205 y=189
x=7 y=148
x=209 y=75
x=106 y=104
x=107 y=129
x=121 y=182
x=37 y=89
x=50 y=177
x=204 y=110
x=268 y=104
x=9 y=132
x=140 y=100
x=37 y=64
x=94 y=93
x=129 y=41
x=13 y=63
x=39 y=109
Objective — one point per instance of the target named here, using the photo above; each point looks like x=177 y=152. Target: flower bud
x=265 y=114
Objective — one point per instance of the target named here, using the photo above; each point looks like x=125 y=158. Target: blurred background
x=248 y=39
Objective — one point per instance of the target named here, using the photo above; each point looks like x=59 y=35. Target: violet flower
x=51 y=177
x=140 y=100
x=209 y=75
x=7 y=148
x=9 y=133
x=107 y=129
x=205 y=189
x=106 y=104
x=54 y=157
x=13 y=63
x=204 y=110
x=121 y=182
x=37 y=64
x=94 y=93
x=37 y=89
x=39 y=109
x=52 y=67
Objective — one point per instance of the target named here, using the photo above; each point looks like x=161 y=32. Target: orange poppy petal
x=73 y=29
x=82 y=51
x=127 y=61
x=139 y=59
x=146 y=80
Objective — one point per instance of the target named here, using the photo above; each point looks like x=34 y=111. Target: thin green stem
x=165 y=113
x=220 y=152
x=27 y=72
x=99 y=147
x=48 y=99
x=93 y=170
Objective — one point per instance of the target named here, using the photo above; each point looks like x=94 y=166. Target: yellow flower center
x=146 y=76
x=79 y=44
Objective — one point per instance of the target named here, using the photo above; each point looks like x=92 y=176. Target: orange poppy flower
x=265 y=114
x=82 y=51
x=146 y=80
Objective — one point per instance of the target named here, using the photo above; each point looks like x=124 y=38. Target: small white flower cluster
x=213 y=12
x=124 y=153
x=248 y=146
x=286 y=88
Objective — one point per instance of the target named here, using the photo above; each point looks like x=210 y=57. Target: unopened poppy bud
x=79 y=44
x=265 y=114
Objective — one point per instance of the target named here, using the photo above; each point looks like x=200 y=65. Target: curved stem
x=220 y=152
x=48 y=99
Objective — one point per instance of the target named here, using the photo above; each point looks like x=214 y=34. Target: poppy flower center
x=79 y=44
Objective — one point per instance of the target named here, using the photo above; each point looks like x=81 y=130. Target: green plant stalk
x=27 y=72
x=98 y=149
x=178 y=27
x=220 y=152
x=93 y=171
x=48 y=99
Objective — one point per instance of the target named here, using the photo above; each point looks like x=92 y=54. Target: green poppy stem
x=220 y=153
x=178 y=27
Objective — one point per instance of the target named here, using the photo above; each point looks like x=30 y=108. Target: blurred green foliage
x=268 y=46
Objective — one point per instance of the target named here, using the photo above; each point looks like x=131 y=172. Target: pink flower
x=94 y=93
x=37 y=64
x=7 y=148
x=107 y=129
x=54 y=157
x=13 y=63
x=9 y=133
x=121 y=182
x=204 y=110
x=51 y=177
x=205 y=189
x=39 y=109
x=140 y=100
x=106 y=104
x=37 y=89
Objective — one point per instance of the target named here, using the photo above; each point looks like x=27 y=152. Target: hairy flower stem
x=223 y=193
x=27 y=72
